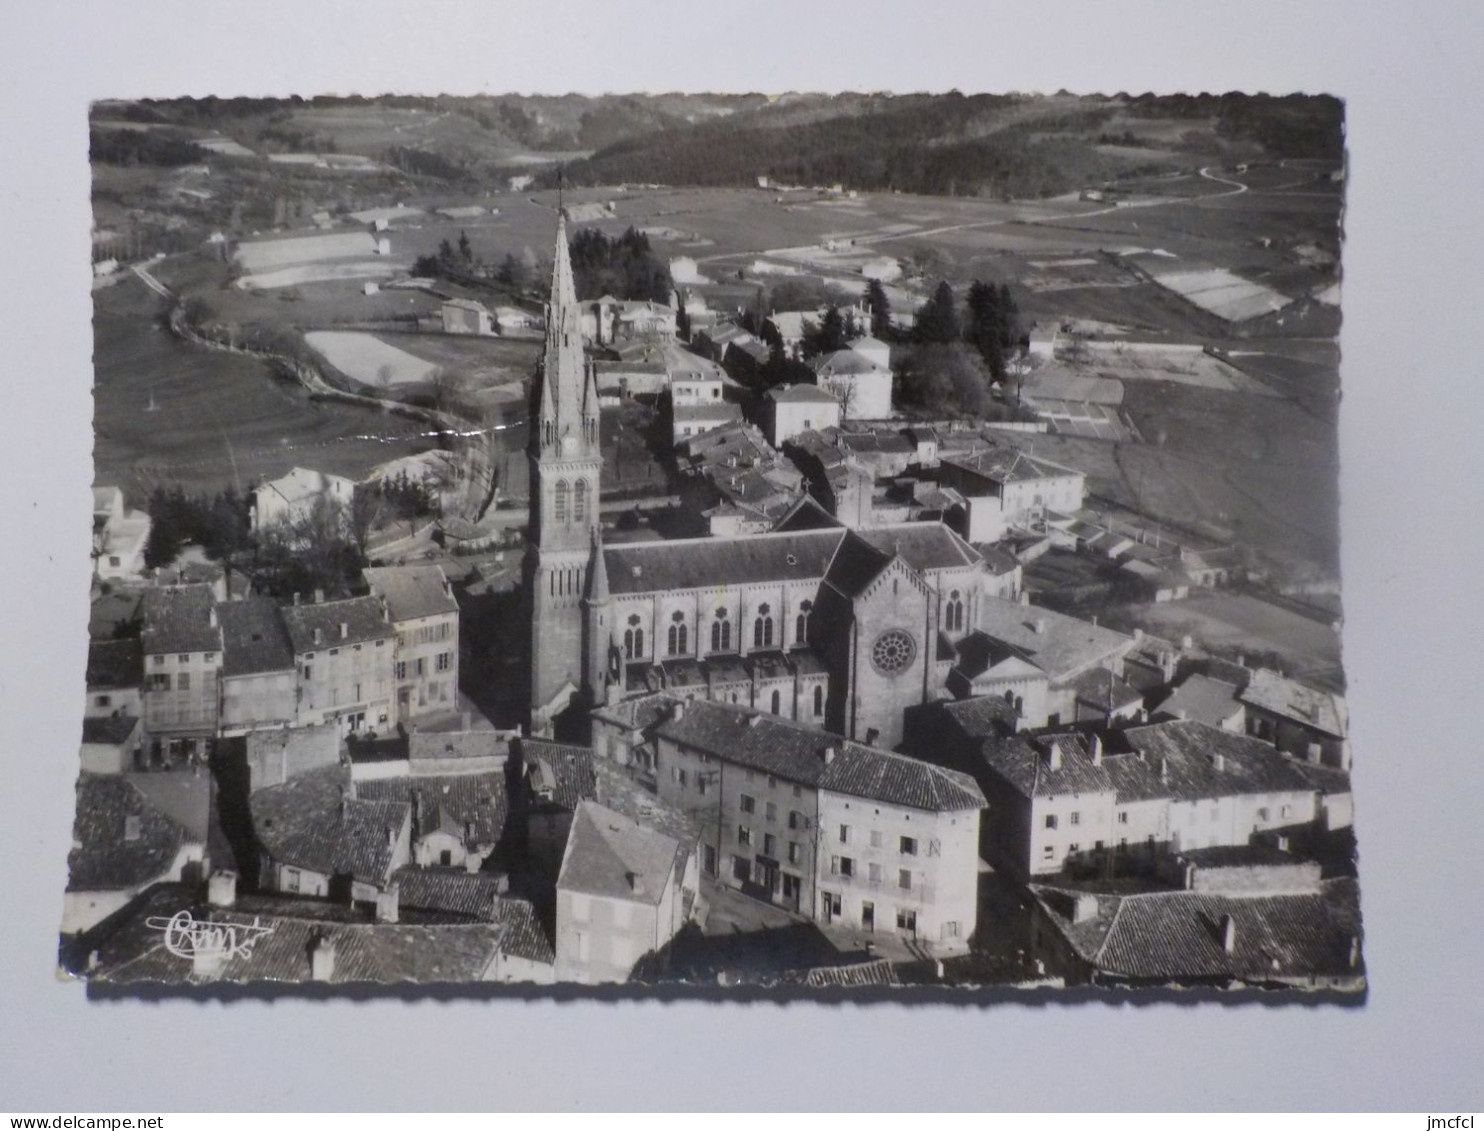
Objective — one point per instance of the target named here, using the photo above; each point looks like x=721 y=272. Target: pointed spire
x=597 y=574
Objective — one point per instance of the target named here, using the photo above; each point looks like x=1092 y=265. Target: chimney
x=1164 y=769
x=1053 y=755
x=1315 y=753
x=344 y=630
x=296 y=599
x=207 y=961
x=319 y=596
x=1097 y=751
x=1218 y=762
x=677 y=712
x=221 y=889
x=131 y=826
x=347 y=795
x=387 y=904
x=1228 y=934
x=391 y=836
x=211 y=616
x=321 y=958
x=319 y=636
x=1084 y=907
x=418 y=823
x=1040 y=626
x=1138 y=634
x=755 y=721
x=829 y=754
x=636 y=883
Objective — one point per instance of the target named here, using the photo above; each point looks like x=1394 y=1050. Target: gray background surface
x=1411 y=547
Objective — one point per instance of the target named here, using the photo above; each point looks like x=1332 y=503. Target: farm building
x=465 y=316
x=883 y=269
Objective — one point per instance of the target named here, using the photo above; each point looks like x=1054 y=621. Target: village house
x=130 y=832
x=1005 y=488
x=861 y=383
x=789 y=410
x=182 y=646
x=1065 y=800
x=293 y=498
x=317 y=837
x=623 y=892
x=258 y=677
x=344 y=652
x=1305 y=932
x=115 y=676
x=425 y=617
x=275 y=756
x=843 y=833
x=119 y=535
x=458 y=820
x=111 y=744
x=1301 y=720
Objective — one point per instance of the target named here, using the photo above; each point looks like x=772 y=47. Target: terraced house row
x=221 y=668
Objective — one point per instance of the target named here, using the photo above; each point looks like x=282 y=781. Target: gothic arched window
x=579 y=502
x=953 y=613
x=679 y=636
x=762 y=628
x=633 y=640
x=777 y=703
x=818 y=700
x=801 y=622
x=559 y=497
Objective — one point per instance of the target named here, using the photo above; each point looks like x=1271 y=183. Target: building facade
x=425 y=617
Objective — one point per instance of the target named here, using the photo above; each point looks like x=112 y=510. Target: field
x=217 y=419
x=1225 y=295
x=367 y=359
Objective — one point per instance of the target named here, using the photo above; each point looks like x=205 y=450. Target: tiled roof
x=712 y=562
x=1026 y=765
x=806 y=514
x=1188 y=751
x=254 y=639
x=981 y=716
x=800 y=394
x=1100 y=688
x=449 y=801
x=109 y=730
x=1008 y=465
x=411 y=592
x=441 y=745
x=454 y=891
x=304 y=823
x=1201 y=699
x=524 y=935
x=361 y=617
x=925 y=546
x=639 y=713
x=562 y=770
x=611 y=855
x=854 y=976
x=896 y=779
x=316 y=745
x=845 y=362
x=103 y=856
x=179 y=618
x=619 y=791
x=797 y=752
x=1317 y=710
x=115 y=663
x=856 y=564
x=363 y=952
x=1065 y=648
x=1168 y=936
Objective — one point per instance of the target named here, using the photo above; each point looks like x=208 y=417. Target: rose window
x=893 y=652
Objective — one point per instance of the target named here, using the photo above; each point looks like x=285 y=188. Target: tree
x=945 y=379
x=827 y=337
x=445 y=253
x=466 y=250
x=880 y=307
x=937 y=323
x=986 y=330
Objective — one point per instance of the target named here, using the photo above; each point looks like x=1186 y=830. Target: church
x=845 y=629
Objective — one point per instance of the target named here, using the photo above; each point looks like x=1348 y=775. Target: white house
x=119 y=535
x=293 y=497
x=860 y=383
x=791 y=409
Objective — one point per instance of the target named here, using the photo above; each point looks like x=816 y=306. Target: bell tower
x=566 y=468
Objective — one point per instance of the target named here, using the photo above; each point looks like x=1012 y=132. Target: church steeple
x=568 y=402
x=566 y=475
